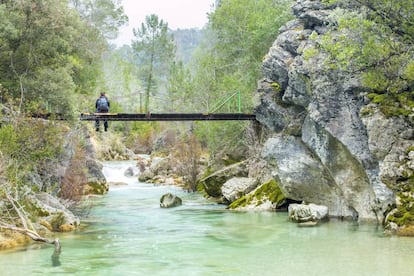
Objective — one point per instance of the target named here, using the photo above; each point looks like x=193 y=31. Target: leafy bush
x=30 y=145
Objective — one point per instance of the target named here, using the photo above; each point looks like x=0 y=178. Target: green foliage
x=228 y=59
x=404 y=215
x=141 y=136
x=121 y=80
x=106 y=16
x=394 y=104
x=30 y=145
x=187 y=40
x=180 y=89
x=50 y=50
x=240 y=34
x=218 y=136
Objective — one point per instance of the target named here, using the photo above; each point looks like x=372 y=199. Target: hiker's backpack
x=102 y=105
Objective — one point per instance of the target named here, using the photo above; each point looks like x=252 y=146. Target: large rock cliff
x=322 y=147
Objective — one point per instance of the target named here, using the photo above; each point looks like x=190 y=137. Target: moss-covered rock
x=403 y=214
x=268 y=192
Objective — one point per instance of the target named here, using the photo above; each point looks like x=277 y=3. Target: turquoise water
x=126 y=233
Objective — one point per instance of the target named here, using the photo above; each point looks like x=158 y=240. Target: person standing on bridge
x=102 y=106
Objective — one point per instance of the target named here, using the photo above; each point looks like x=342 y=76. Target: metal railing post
x=239 y=100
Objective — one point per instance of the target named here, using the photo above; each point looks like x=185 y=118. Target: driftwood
x=25 y=222
x=31 y=234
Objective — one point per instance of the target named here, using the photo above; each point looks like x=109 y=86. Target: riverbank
x=127 y=233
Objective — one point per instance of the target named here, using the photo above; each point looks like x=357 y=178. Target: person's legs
x=97 y=125
x=106 y=125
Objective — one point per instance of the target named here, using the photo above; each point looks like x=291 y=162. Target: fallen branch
x=31 y=234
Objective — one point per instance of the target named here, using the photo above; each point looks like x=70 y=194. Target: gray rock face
x=169 y=201
x=320 y=147
x=302 y=176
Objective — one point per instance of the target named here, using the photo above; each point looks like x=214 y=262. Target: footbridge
x=167 y=117
x=234 y=100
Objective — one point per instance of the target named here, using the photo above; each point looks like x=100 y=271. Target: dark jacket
x=96 y=104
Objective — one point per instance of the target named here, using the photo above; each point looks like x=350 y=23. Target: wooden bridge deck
x=167 y=117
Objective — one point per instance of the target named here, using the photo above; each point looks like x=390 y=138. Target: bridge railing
x=236 y=95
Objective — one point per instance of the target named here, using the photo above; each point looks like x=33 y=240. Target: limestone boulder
x=54 y=215
x=265 y=197
x=212 y=183
x=236 y=187
x=169 y=201
x=302 y=176
x=303 y=213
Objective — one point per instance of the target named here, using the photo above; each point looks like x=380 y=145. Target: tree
x=106 y=16
x=179 y=89
x=39 y=53
x=155 y=50
x=245 y=30
x=120 y=72
x=49 y=52
x=239 y=34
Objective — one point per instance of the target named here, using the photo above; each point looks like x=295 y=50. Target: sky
x=179 y=14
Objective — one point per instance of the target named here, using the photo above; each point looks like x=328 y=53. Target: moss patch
x=404 y=214
x=394 y=104
x=267 y=191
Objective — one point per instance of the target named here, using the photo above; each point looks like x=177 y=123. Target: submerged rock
x=169 y=200
x=131 y=171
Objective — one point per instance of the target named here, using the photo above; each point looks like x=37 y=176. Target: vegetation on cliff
x=377 y=41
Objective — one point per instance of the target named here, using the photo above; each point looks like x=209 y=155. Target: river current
x=127 y=233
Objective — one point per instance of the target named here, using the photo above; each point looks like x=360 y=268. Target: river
x=127 y=233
